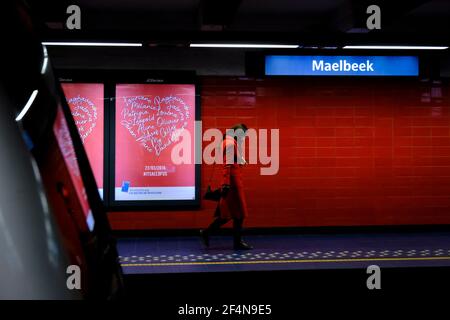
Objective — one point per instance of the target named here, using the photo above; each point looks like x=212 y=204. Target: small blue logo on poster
x=125 y=186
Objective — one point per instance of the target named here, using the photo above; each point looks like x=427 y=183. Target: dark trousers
x=237 y=227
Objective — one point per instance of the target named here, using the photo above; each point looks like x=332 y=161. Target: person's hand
x=225 y=189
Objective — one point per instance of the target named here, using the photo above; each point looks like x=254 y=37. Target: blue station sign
x=280 y=65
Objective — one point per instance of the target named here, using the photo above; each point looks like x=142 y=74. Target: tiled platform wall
x=353 y=151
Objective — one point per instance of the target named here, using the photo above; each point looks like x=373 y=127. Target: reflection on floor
x=284 y=252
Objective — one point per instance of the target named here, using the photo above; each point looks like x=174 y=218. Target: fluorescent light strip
x=93 y=44
x=45 y=60
x=397 y=47
x=243 y=45
x=27 y=106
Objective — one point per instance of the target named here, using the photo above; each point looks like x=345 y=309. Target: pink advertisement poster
x=149 y=120
x=62 y=134
x=86 y=101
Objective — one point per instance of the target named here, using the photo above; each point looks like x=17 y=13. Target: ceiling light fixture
x=376 y=47
x=244 y=45
x=93 y=44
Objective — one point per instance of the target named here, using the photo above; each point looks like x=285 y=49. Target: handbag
x=213 y=195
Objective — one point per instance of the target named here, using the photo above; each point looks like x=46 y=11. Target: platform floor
x=284 y=252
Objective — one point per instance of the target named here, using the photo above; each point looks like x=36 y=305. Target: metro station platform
x=186 y=254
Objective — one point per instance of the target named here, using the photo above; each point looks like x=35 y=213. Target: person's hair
x=238 y=126
x=241 y=126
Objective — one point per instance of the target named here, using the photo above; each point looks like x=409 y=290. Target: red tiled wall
x=353 y=151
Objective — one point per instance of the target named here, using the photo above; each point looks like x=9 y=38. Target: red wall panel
x=353 y=151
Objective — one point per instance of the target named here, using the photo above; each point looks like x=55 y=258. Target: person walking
x=232 y=204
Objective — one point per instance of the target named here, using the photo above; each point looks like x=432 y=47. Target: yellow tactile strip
x=285 y=257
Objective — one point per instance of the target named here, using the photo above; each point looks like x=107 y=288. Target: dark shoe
x=242 y=246
x=204 y=237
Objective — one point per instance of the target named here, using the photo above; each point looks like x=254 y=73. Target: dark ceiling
x=313 y=22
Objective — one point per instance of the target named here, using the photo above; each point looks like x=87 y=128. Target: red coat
x=233 y=205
